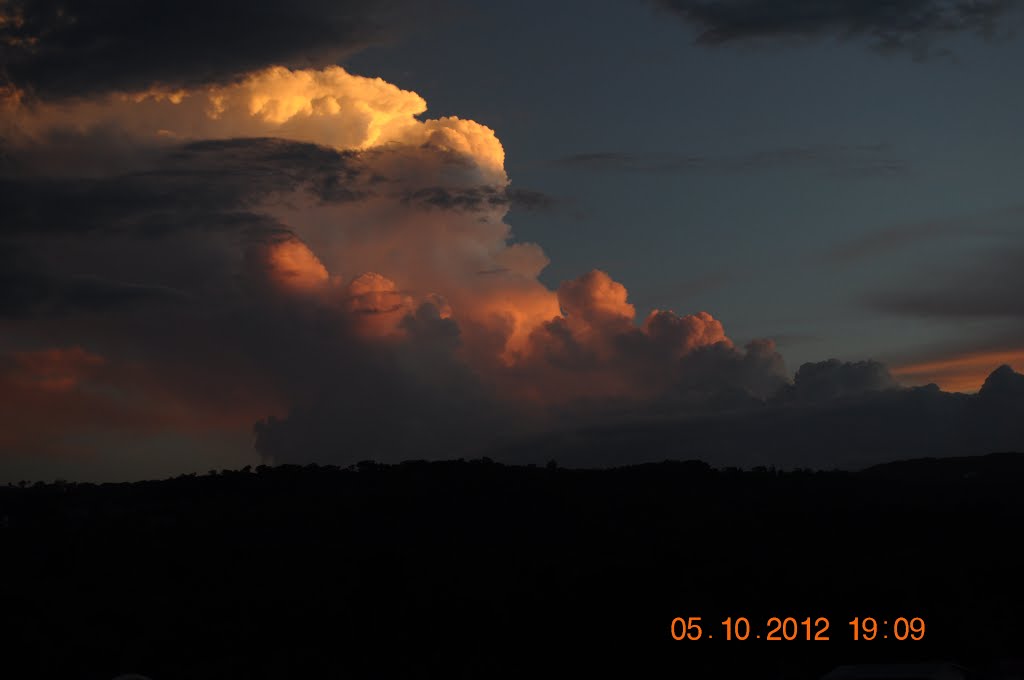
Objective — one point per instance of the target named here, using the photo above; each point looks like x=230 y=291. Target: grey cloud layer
x=854 y=429
x=889 y=25
x=78 y=47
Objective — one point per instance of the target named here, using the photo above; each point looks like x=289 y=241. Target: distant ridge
x=1000 y=467
x=991 y=467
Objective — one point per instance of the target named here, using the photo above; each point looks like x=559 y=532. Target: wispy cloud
x=987 y=289
x=851 y=161
x=889 y=26
x=992 y=224
x=960 y=371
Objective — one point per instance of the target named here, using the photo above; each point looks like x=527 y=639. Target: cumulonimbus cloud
x=305 y=246
x=339 y=200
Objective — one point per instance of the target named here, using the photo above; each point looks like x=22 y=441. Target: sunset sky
x=325 y=231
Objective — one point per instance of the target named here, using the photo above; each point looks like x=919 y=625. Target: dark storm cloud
x=207 y=185
x=477 y=198
x=726 y=407
x=889 y=25
x=417 y=400
x=723 y=374
x=31 y=294
x=854 y=431
x=78 y=47
x=842 y=161
x=834 y=379
x=155 y=238
x=726 y=378
x=261 y=166
x=136 y=204
x=1004 y=389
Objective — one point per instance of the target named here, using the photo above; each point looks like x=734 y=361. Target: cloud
x=594 y=352
x=594 y=301
x=840 y=161
x=371 y=293
x=959 y=371
x=329 y=107
x=307 y=283
x=530 y=199
x=850 y=432
x=285 y=262
x=477 y=198
x=978 y=297
x=413 y=398
x=904 y=25
x=79 y=48
x=834 y=379
x=988 y=289
x=25 y=291
x=69 y=406
x=301 y=250
x=200 y=185
x=717 y=376
x=995 y=223
x=34 y=384
x=1004 y=388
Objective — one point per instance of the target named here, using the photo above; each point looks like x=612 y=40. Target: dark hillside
x=471 y=569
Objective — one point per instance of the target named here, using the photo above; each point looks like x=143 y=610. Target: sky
x=742 y=164
x=756 y=232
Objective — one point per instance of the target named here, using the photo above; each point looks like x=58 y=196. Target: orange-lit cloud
x=959 y=373
x=376 y=303
x=593 y=348
x=53 y=370
x=330 y=107
x=348 y=312
x=64 y=401
x=50 y=395
x=685 y=333
x=295 y=266
x=595 y=300
x=488 y=283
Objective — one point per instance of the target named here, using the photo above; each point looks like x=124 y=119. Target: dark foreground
x=478 y=570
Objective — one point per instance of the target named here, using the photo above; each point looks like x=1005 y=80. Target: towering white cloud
x=317 y=230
